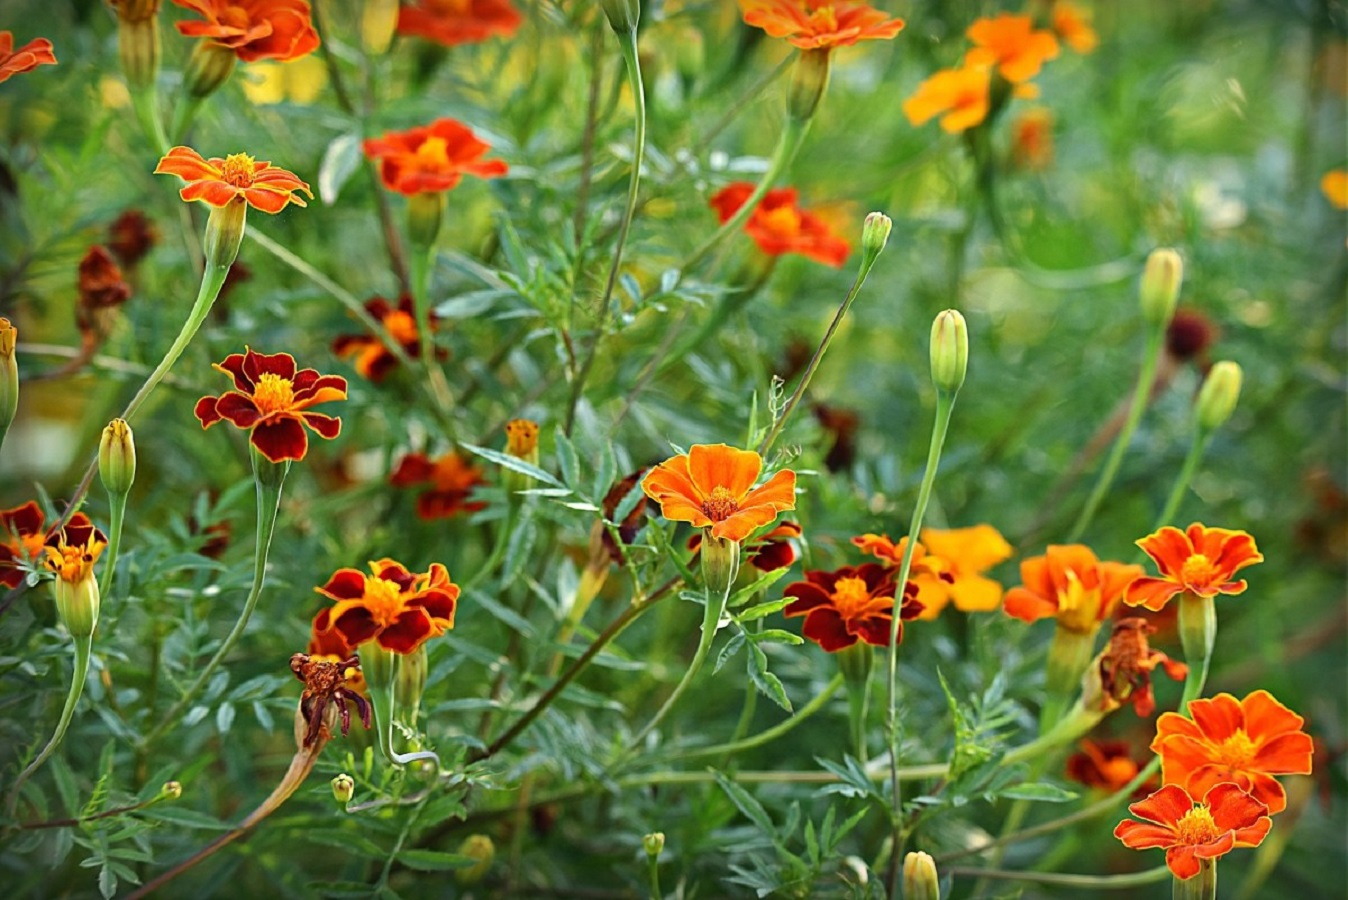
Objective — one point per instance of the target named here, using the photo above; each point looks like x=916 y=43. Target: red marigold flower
x=393 y=607
x=451 y=478
x=271 y=400
x=254 y=29
x=1227 y=818
x=372 y=359
x=21 y=540
x=778 y=225
x=929 y=572
x=1011 y=44
x=73 y=550
x=1106 y=764
x=1246 y=742
x=1070 y=584
x=130 y=237
x=1073 y=25
x=431 y=158
x=815 y=24
x=219 y=181
x=1125 y=668
x=1201 y=561
x=36 y=52
x=452 y=22
x=853 y=603
x=710 y=487
x=961 y=94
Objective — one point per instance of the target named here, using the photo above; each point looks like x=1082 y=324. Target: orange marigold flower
x=1125 y=668
x=254 y=29
x=778 y=225
x=431 y=158
x=36 y=52
x=1334 y=185
x=73 y=550
x=1032 y=139
x=1246 y=742
x=372 y=359
x=1070 y=584
x=1227 y=818
x=452 y=481
x=393 y=607
x=21 y=541
x=1201 y=561
x=1107 y=764
x=271 y=401
x=1073 y=25
x=711 y=486
x=853 y=603
x=966 y=554
x=452 y=22
x=130 y=237
x=816 y=24
x=961 y=94
x=219 y=181
x=1011 y=44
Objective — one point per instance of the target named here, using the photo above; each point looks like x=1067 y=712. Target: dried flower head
x=325 y=683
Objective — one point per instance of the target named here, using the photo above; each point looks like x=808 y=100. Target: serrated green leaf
x=507 y=461
x=745 y=803
x=760 y=610
x=1041 y=792
x=767 y=683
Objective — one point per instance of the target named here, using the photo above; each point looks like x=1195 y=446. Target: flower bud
x=343 y=788
x=117 y=458
x=209 y=66
x=1218 y=395
x=71 y=554
x=1161 y=286
x=9 y=376
x=919 y=877
x=171 y=790
x=809 y=80
x=138 y=49
x=409 y=683
x=720 y=565
x=875 y=233
x=622 y=14
x=224 y=233
x=653 y=843
x=378 y=23
x=480 y=848
x=949 y=351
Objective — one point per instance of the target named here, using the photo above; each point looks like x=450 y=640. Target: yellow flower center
x=783 y=220
x=851 y=596
x=383 y=599
x=1196 y=827
x=238 y=170
x=1237 y=751
x=824 y=20
x=1197 y=571
x=401 y=327
x=433 y=154
x=71 y=564
x=720 y=504
x=1078 y=608
x=273 y=394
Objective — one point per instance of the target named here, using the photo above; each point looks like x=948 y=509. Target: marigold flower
x=850 y=604
x=1070 y=584
x=372 y=359
x=1334 y=184
x=1032 y=139
x=779 y=226
x=1246 y=742
x=219 y=181
x=710 y=487
x=602 y=548
x=131 y=236
x=1189 y=335
x=36 y=52
x=253 y=29
x=396 y=609
x=961 y=94
x=966 y=554
x=327 y=682
x=431 y=158
x=1227 y=818
x=271 y=401
x=1011 y=44
x=522 y=439
x=100 y=282
x=71 y=554
x=1124 y=669
x=453 y=22
x=1106 y=764
x=819 y=24
x=1200 y=560
x=451 y=478
x=21 y=540
x=1073 y=25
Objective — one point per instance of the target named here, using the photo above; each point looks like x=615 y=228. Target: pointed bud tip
x=343 y=788
x=1160 y=288
x=117 y=458
x=920 y=881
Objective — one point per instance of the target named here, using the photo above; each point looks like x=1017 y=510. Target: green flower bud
x=1218 y=395
x=720 y=563
x=809 y=80
x=480 y=848
x=409 y=684
x=378 y=22
x=653 y=843
x=224 y=233
x=209 y=66
x=424 y=213
x=623 y=15
x=920 y=881
x=117 y=457
x=343 y=788
x=138 y=49
x=875 y=233
x=1160 y=288
x=949 y=351
x=171 y=790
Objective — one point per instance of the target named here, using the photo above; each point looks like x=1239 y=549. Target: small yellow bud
x=522 y=440
x=949 y=351
x=1160 y=287
x=1218 y=395
x=343 y=788
x=875 y=233
x=920 y=881
x=653 y=843
x=117 y=457
x=9 y=376
x=623 y=15
x=171 y=790
x=809 y=80
x=480 y=848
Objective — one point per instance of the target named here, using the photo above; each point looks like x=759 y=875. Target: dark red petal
x=325 y=426
x=205 y=412
x=407 y=632
x=356 y=625
x=280 y=439
x=825 y=627
x=808 y=596
x=256 y=365
x=345 y=584
x=238 y=409
x=233 y=366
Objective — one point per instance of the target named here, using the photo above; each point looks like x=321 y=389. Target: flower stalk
x=83 y=651
x=1202 y=886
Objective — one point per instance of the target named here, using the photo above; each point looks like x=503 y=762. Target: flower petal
x=280 y=439
x=718 y=465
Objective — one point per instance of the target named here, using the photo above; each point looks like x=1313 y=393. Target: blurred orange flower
x=961 y=94
x=966 y=553
x=254 y=29
x=1070 y=584
x=1201 y=561
x=853 y=603
x=710 y=486
x=219 y=181
x=1246 y=742
x=431 y=157
x=778 y=225
x=1189 y=831
x=819 y=24
x=451 y=479
x=452 y=22
x=1032 y=139
x=1011 y=44
x=21 y=541
x=37 y=52
x=1073 y=25
x=1106 y=764
x=372 y=359
x=396 y=609
x=1334 y=185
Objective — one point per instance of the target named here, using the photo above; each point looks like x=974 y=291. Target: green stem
x=1198 y=635
x=1197 y=448
x=183 y=116
x=83 y=650
x=1140 y=395
x=422 y=258
x=117 y=505
x=1202 y=886
x=653 y=867
x=770 y=734
x=146 y=104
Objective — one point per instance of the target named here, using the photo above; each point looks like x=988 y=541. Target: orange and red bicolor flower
x=850 y=604
x=73 y=550
x=271 y=400
x=820 y=24
x=393 y=607
x=1070 y=584
x=431 y=158
x=451 y=481
x=254 y=29
x=778 y=225
x=1245 y=742
x=1012 y=45
x=218 y=181
x=37 y=52
x=1105 y=764
x=1201 y=561
x=452 y=22
x=1126 y=666
x=372 y=359
x=1073 y=25
x=960 y=96
x=1189 y=831
x=21 y=540
x=711 y=486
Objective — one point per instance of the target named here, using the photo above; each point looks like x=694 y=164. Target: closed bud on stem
x=920 y=881
x=809 y=80
x=1160 y=288
x=875 y=233
x=424 y=212
x=521 y=443
x=9 y=376
x=949 y=351
x=117 y=458
x=653 y=843
x=623 y=15
x=171 y=790
x=378 y=23
x=138 y=50
x=343 y=788
x=410 y=683
x=1218 y=396
x=209 y=66
x=224 y=233
x=480 y=848
x=720 y=565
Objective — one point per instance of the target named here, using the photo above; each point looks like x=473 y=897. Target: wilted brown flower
x=131 y=236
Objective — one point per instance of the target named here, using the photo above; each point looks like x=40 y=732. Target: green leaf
x=507 y=461
x=435 y=860
x=340 y=161
x=1042 y=792
x=568 y=461
x=760 y=610
x=730 y=649
x=188 y=818
x=767 y=683
x=746 y=804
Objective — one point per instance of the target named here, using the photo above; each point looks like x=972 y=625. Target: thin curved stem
x=83 y=650
x=1197 y=448
x=117 y=505
x=770 y=734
